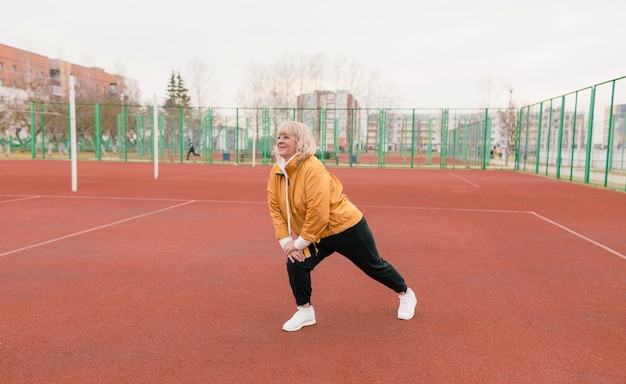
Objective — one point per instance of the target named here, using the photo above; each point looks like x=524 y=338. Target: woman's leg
x=300 y=274
x=358 y=245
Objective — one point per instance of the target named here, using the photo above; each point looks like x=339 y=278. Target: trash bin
x=226 y=156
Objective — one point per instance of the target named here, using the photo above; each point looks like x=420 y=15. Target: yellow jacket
x=317 y=206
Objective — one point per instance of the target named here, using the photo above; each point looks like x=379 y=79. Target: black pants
x=357 y=244
x=190 y=151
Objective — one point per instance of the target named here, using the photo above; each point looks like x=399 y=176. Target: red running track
x=520 y=279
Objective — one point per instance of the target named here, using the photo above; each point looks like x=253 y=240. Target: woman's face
x=286 y=145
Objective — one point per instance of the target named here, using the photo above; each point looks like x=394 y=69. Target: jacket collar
x=288 y=166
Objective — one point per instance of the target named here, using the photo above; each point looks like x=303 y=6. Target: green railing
x=579 y=136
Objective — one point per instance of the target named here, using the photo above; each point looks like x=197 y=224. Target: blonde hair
x=306 y=145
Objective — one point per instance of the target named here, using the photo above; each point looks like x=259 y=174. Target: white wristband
x=284 y=242
x=301 y=243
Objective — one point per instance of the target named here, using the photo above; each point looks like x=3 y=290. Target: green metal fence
x=351 y=137
x=578 y=136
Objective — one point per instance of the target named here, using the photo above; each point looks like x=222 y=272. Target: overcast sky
x=436 y=53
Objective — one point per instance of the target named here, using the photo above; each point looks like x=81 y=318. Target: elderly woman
x=314 y=219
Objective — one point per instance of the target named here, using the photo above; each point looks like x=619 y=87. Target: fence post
x=548 y=147
x=33 y=131
x=181 y=138
x=590 y=134
x=518 y=133
x=538 y=149
x=125 y=138
x=209 y=136
x=609 y=145
x=412 y=138
x=43 y=132
x=351 y=141
x=571 y=166
x=381 y=137
x=559 y=150
x=444 y=138
x=486 y=150
x=97 y=140
x=323 y=135
x=236 y=149
x=267 y=150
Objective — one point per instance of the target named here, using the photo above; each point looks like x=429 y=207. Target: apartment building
x=401 y=130
x=614 y=124
x=334 y=127
x=26 y=75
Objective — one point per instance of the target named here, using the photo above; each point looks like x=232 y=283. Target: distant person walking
x=192 y=149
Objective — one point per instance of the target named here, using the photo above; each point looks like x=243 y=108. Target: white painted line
x=464 y=179
x=263 y=203
x=579 y=235
x=507 y=211
x=95 y=228
x=444 y=209
x=20 y=199
x=142 y=199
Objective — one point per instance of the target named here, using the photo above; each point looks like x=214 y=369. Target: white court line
x=446 y=209
x=509 y=211
x=141 y=199
x=20 y=199
x=361 y=205
x=579 y=235
x=464 y=179
x=95 y=228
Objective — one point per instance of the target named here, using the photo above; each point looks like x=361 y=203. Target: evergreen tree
x=182 y=92
x=171 y=98
x=177 y=93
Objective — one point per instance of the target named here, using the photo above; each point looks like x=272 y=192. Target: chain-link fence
x=364 y=137
x=578 y=136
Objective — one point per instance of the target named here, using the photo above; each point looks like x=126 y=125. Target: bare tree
x=485 y=89
x=289 y=77
x=201 y=83
x=317 y=70
x=283 y=82
x=30 y=85
x=340 y=68
x=509 y=121
x=374 y=93
x=255 y=96
x=492 y=92
x=512 y=136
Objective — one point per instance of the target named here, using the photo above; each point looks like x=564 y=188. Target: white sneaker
x=302 y=318
x=408 y=301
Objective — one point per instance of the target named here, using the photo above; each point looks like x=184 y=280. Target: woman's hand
x=293 y=254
